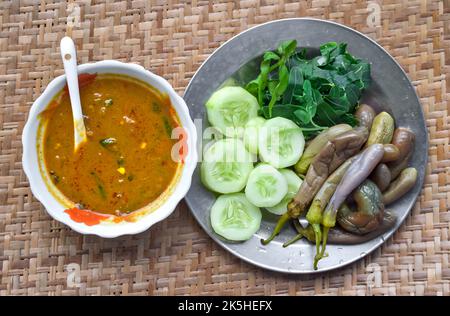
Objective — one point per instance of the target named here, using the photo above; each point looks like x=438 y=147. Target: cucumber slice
x=226 y=166
x=266 y=186
x=280 y=142
x=251 y=134
x=230 y=108
x=294 y=182
x=234 y=217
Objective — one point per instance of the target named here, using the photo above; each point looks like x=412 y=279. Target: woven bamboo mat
x=40 y=256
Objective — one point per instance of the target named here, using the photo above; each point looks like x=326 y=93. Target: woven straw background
x=39 y=256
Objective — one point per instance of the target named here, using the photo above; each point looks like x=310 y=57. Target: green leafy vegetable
x=315 y=93
x=100 y=186
x=167 y=127
x=108 y=141
x=273 y=62
x=156 y=107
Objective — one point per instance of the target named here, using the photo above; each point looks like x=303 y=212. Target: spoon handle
x=69 y=57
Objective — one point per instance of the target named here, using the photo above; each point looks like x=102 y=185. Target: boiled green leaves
x=315 y=93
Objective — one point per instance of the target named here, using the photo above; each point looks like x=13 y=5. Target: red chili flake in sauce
x=183 y=151
x=85 y=216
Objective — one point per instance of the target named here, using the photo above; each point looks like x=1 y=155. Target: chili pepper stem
x=293 y=240
x=318 y=239
x=322 y=254
x=281 y=222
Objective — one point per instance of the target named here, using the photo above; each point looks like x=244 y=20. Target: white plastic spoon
x=69 y=57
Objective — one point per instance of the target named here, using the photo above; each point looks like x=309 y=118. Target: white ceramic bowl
x=38 y=176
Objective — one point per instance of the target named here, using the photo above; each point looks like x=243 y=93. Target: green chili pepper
x=332 y=155
x=314 y=215
x=316 y=145
x=357 y=172
x=100 y=187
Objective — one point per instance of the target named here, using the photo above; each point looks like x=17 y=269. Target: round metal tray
x=390 y=90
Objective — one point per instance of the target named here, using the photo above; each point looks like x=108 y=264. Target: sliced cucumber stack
x=234 y=217
x=280 y=142
x=294 y=182
x=230 y=108
x=251 y=132
x=226 y=166
x=266 y=186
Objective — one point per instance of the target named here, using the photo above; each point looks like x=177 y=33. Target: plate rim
x=388 y=234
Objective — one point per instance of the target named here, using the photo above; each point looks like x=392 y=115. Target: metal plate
x=391 y=91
